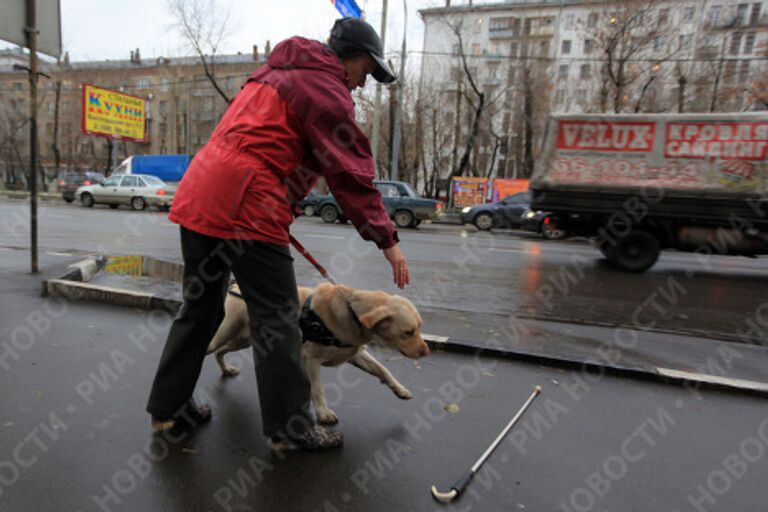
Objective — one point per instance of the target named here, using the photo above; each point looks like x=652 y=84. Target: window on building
x=589 y=46
x=65 y=107
x=165 y=87
x=163 y=107
x=143 y=83
x=729 y=71
x=663 y=16
x=513 y=49
x=754 y=16
x=749 y=43
x=208 y=103
x=560 y=96
x=743 y=71
x=544 y=48
x=741 y=14
x=684 y=41
x=659 y=42
x=516 y=27
x=688 y=13
x=18 y=85
x=563 y=71
x=714 y=14
x=493 y=70
x=570 y=20
x=585 y=72
x=477 y=49
x=592 y=20
x=456 y=49
x=494 y=49
x=565 y=48
x=478 y=25
x=51 y=108
x=735 y=43
x=498 y=24
x=455 y=75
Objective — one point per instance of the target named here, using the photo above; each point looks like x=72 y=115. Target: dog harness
x=312 y=327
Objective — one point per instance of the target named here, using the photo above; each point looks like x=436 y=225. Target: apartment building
x=533 y=57
x=183 y=107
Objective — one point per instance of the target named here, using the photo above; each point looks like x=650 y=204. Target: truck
x=169 y=168
x=639 y=184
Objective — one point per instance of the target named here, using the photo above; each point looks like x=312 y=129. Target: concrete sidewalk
x=75 y=377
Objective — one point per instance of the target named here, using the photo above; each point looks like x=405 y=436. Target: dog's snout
x=424 y=350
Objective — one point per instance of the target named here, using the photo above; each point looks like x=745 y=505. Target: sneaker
x=315 y=438
x=188 y=417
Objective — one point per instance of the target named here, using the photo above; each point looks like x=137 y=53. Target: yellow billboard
x=113 y=114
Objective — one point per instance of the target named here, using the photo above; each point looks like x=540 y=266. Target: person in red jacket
x=292 y=122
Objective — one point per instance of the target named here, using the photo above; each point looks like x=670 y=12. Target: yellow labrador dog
x=351 y=319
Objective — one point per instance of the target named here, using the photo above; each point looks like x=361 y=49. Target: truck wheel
x=86 y=200
x=637 y=251
x=329 y=214
x=403 y=219
x=138 y=203
x=483 y=222
x=309 y=211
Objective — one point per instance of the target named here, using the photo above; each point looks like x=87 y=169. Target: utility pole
x=377 y=101
x=399 y=111
x=31 y=33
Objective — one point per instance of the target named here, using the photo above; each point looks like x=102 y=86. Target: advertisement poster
x=468 y=191
x=113 y=114
x=693 y=153
x=503 y=187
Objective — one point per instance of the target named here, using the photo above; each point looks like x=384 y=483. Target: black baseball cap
x=353 y=35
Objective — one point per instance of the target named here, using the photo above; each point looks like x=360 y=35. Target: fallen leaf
x=38 y=394
x=452 y=408
x=555 y=382
x=488 y=374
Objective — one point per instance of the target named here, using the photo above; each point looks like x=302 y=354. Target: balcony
x=509 y=33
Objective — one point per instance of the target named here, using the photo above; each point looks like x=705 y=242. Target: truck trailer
x=170 y=168
x=639 y=184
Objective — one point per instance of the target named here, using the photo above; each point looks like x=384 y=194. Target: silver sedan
x=136 y=190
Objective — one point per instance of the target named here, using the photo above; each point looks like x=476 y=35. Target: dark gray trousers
x=267 y=282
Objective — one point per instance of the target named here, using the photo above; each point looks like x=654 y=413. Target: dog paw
x=403 y=393
x=230 y=371
x=327 y=417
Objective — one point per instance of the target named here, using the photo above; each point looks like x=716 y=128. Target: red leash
x=304 y=252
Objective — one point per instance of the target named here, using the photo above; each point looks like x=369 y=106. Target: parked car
x=136 y=190
x=309 y=205
x=69 y=184
x=544 y=223
x=506 y=213
x=403 y=205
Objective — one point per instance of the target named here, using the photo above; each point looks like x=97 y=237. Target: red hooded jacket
x=292 y=122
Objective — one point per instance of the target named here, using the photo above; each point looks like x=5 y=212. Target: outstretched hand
x=396 y=258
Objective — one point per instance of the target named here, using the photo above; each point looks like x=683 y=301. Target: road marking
x=336 y=237
x=506 y=250
x=59 y=254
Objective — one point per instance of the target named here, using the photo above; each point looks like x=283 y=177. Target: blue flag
x=348 y=8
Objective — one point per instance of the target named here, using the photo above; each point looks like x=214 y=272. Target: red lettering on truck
x=626 y=137
x=717 y=140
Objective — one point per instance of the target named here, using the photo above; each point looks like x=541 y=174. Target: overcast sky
x=110 y=29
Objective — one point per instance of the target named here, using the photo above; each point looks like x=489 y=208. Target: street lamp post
x=397 y=136
x=377 y=101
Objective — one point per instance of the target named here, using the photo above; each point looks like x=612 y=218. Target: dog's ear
x=374 y=316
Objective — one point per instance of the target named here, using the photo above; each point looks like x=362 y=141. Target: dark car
x=69 y=184
x=403 y=205
x=309 y=205
x=506 y=213
x=544 y=223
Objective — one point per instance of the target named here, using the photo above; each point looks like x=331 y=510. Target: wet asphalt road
x=74 y=437
x=473 y=276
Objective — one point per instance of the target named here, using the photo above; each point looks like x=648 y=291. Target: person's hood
x=301 y=53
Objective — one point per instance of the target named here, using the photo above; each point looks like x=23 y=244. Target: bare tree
x=205 y=26
x=627 y=33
